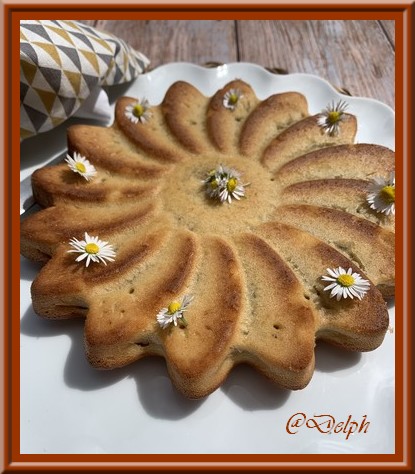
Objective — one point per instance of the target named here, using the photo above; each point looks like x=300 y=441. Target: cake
x=214 y=231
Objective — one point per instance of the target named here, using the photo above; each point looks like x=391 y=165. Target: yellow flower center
x=173 y=307
x=214 y=183
x=231 y=185
x=91 y=248
x=138 y=110
x=80 y=167
x=345 y=280
x=233 y=99
x=334 y=116
x=388 y=194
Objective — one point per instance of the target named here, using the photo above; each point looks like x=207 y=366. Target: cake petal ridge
x=224 y=125
x=348 y=195
x=354 y=325
x=355 y=237
x=351 y=161
x=109 y=149
x=303 y=137
x=184 y=109
x=152 y=137
x=270 y=118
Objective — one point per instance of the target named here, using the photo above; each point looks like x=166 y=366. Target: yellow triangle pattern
x=51 y=50
x=29 y=70
x=57 y=121
x=75 y=79
x=125 y=61
x=92 y=58
x=61 y=32
x=102 y=42
x=72 y=25
x=48 y=98
x=25 y=133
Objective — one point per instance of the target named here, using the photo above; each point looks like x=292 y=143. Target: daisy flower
x=231 y=98
x=138 y=111
x=214 y=181
x=345 y=283
x=329 y=119
x=79 y=164
x=224 y=184
x=381 y=196
x=217 y=178
x=93 y=249
x=233 y=189
x=174 y=312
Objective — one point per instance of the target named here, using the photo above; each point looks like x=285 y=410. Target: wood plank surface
x=357 y=55
x=163 y=41
x=88 y=22
x=351 y=54
x=389 y=29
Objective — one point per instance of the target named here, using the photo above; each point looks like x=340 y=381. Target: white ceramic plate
x=69 y=407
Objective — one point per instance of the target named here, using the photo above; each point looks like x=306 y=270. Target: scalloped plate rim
x=263 y=70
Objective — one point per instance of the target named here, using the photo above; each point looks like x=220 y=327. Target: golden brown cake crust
x=253 y=266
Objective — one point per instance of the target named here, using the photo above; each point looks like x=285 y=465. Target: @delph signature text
x=327 y=424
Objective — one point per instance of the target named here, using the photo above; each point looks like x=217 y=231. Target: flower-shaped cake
x=216 y=231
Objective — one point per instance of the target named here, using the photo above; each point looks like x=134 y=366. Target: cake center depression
x=202 y=204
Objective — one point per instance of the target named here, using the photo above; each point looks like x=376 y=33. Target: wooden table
x=358 y=55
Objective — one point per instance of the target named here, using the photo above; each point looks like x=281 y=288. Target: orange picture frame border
x=11 y=459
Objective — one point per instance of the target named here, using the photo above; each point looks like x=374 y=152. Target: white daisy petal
x=336 y=290
x=81 y=257
x=333 y=272
x=327 y=278
x=187 y=299
x=354 y=292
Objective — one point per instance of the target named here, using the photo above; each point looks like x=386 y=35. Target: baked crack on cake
x=214 y=231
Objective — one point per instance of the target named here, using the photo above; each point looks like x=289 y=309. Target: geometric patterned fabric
x=61 y=63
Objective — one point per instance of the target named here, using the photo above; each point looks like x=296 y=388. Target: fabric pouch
x=63 y=67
